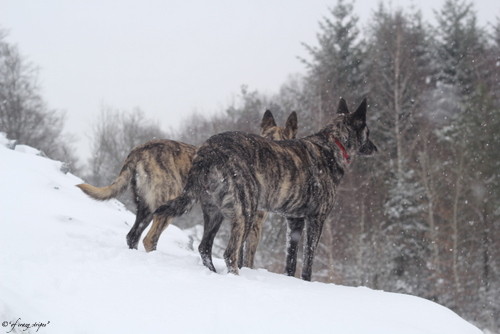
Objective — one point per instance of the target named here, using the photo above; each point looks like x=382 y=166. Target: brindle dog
x=234 y=174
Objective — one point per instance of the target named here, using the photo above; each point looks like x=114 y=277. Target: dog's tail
x=190 y=194
x=176 y=207
x=116 y=188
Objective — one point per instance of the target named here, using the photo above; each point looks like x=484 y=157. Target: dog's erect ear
x=291 y=126
x=359 y=116
x=267 y=121
x=342 y=109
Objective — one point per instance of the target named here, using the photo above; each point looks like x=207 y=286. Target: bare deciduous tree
x=24 y=115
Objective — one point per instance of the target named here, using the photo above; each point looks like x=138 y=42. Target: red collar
x=343 y=150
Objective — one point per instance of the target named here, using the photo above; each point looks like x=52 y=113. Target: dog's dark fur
x=236 y=173
x=157 y=171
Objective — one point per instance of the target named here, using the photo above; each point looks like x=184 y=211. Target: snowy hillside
x=64 y=264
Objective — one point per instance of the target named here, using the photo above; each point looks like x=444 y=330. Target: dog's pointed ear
x=267 y=121
x=291 y=126
x=359 y=116
x=342 y=109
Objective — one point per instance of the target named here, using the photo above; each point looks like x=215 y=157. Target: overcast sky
x=169 y=57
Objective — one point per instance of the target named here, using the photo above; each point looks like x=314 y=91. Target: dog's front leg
x=313 y=233
x=295 y=227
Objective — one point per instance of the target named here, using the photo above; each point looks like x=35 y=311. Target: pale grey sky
x=169 y=57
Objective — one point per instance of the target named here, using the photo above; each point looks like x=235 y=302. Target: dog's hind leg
x=231 y=255
x=295 y=227
x=142 y=220
x=253 y=238
x=212 y=220
x=159 y=225
x=250 y=229
x=313 y=233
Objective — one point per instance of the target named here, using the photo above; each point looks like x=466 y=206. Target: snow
x=65 y=266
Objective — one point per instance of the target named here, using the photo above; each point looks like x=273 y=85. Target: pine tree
x=399 y=52
x=460 y=41
x=481 y=123
x=335 y=68
x=467 y=70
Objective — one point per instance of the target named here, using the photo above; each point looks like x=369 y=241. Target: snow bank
x=65 y=268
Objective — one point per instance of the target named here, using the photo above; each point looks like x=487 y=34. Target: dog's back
x=283 y=176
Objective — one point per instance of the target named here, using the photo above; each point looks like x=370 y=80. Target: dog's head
x=359 y=133
x=269 y=129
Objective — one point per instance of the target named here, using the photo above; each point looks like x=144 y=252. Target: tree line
x=423 y=216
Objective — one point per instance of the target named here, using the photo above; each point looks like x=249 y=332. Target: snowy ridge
x=65 y=266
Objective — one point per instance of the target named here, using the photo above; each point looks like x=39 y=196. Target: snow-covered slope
x=64 y=264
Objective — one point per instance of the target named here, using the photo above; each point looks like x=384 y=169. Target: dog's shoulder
x=235 y=139
x=163 y=144
x=237 y=135
x=161 y=149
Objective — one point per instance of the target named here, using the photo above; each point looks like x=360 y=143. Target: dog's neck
x=324 y=139
x=345 y=155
